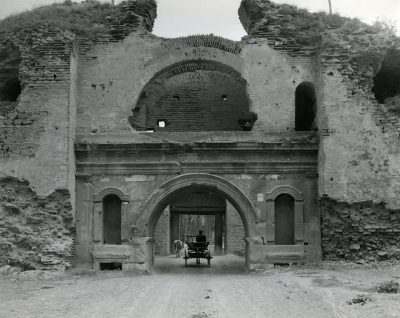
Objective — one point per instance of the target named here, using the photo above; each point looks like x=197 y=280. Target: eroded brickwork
x=35 y=232
x=359 y=231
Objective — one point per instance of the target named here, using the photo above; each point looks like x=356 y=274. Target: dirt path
x=200 y=292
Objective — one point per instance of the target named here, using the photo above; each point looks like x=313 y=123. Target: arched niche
x=387 y=81
x=100 y=215
x=284 y=220
x=282 y=197
x=112 y=206
x=195 y=95
x=306 y=107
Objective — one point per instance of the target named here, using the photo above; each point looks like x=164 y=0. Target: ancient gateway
x=285 y=145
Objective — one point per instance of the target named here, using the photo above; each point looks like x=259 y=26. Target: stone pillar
x=251 y=256
x=143 y=257
x=124 y=220
x=299 y=222
x=270 y=235
x=174 y=230
x=218 y=233
x=97 y=221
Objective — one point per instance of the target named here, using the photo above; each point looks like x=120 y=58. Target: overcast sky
x=184 y=17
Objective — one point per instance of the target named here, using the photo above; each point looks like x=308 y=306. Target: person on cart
x=198 y=249
x=201 y=238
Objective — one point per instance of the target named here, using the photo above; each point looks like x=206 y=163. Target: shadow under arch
x=156 y=203
x=158 y=100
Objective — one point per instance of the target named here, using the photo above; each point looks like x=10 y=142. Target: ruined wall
x=35 y=129
x=371 y=231
x=359 y=151
x=36 y=232
x=37 y=136
x=38 y=101
x=113 y=77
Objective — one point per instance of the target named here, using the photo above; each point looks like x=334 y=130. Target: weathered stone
x=354 y=247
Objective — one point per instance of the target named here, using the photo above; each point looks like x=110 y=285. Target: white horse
x=178 y=246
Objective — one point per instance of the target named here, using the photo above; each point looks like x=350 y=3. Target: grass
x=389 y=287
x=86 y=19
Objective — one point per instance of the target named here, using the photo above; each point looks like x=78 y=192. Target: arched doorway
x=164 y=194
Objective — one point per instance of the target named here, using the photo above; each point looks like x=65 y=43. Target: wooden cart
x=197 y=250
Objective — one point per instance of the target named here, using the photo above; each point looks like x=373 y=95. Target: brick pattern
x=161 y=234
x=209 y=41
x=359 y=231
x=350 y=47
x=45 y=63
x=193 y=97
x=234 y=232
x=287 y=28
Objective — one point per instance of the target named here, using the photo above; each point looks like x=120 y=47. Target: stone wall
x=37 y=128
x=36 y=232
x=234 y=231
x=162 y=234
x=359 y=231
x=359 y=151
x=113 y=77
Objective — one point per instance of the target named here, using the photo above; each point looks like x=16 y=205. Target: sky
x=185 y=17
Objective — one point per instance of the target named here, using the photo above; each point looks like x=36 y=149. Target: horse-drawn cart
x=197 y=250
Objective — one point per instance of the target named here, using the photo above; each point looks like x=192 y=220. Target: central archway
x=156 y=203
x=160 y=198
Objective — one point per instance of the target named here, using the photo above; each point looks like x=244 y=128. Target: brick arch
x=155 y=99
x=156 y=203
x=208 y=41
x=285 y=189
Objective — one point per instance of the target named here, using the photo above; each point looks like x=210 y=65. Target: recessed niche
x=224 y=97
x=176 y=97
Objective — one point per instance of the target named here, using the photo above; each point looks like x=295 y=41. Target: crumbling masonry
x=288 y=138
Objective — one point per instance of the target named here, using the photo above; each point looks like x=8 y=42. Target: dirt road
x=200 y=292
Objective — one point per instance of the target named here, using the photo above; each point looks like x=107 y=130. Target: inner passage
x=193 y=211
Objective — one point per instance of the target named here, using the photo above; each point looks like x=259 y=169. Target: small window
x=306 y=107
x=387 y=81
x=161 y=123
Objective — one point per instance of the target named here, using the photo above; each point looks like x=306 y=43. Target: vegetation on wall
x=89 y=19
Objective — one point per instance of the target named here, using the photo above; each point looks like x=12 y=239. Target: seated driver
x=201 y=238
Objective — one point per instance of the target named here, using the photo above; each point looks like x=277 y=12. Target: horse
x=178 y=246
